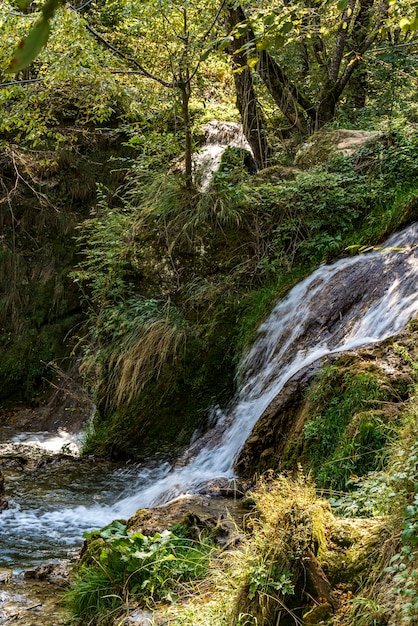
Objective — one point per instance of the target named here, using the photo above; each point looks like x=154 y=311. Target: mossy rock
x=336 y=422
x=324 y=143
x=318 y=615
x=276 y=174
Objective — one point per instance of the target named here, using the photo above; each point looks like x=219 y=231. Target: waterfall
x=343 y=306
x=218 y=137
x=350 y=303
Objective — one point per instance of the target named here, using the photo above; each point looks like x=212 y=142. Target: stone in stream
x=57 y=573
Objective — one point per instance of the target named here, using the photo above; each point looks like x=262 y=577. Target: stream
x=342 y=306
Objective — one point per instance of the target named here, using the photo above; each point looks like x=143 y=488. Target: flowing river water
x=342 y=306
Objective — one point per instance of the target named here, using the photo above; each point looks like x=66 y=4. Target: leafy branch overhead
x=29 y=48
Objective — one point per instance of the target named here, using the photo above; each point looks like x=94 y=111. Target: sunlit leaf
x=252 y=62
x=263 y=44
x=29 y=48
x=404 y=24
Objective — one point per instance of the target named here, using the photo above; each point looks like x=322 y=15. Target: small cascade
x=218 y=137
x=343 y=306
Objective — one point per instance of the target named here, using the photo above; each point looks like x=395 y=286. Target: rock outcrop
x=277 y=440
x=324 y=143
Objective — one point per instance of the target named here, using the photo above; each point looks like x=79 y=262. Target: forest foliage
x=113 y=257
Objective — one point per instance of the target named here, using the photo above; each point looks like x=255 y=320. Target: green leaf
x=286 y=28
x=279 y=41
x=225 y=43
x=263 y=44
x=30 y=47
x=269 y=19
x=342 y=4
x=406 y=534
x=410 y=511
x=23 y=4
x=206 y=53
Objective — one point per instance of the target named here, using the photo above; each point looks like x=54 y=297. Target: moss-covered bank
x=45 y=195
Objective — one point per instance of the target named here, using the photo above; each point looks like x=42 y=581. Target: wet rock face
x=265 y=447
x=277 y=440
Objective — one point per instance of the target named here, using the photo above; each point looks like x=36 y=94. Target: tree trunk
x=184 y=87
x=359 y=82
x=319 y=583
x=251 y=115
x=285 y=94
x=281 y=89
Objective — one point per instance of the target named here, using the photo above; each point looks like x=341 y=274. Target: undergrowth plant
x=120 y=567
x=260 y=580
x=392 y=493
x=348 y=433
x=403 y=565
x=136 y=338
x=167 y=268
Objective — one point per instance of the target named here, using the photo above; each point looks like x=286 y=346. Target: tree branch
x=358 y=55
x=340 y=42
x=131 y=60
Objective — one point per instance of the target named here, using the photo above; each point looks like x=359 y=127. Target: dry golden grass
x=247 y=583
x=141 y=357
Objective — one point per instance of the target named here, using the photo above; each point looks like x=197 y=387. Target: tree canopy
x=304 y=61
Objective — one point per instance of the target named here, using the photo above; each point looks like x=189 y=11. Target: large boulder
x=325 y=143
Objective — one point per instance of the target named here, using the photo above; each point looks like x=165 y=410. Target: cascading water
x=218 y=137
x=351 y=303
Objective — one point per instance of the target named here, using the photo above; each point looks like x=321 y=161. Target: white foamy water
x=340 y=307
x=61 y=441
x=308 y=324
x=218 y=137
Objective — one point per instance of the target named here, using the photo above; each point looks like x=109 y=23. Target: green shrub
x=132 y=566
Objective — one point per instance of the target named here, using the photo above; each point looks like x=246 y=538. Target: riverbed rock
x=196 y=515
x=29 y=602
x=138 y=617
x=222 y=487
x=3 y=500
x=57 y=573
